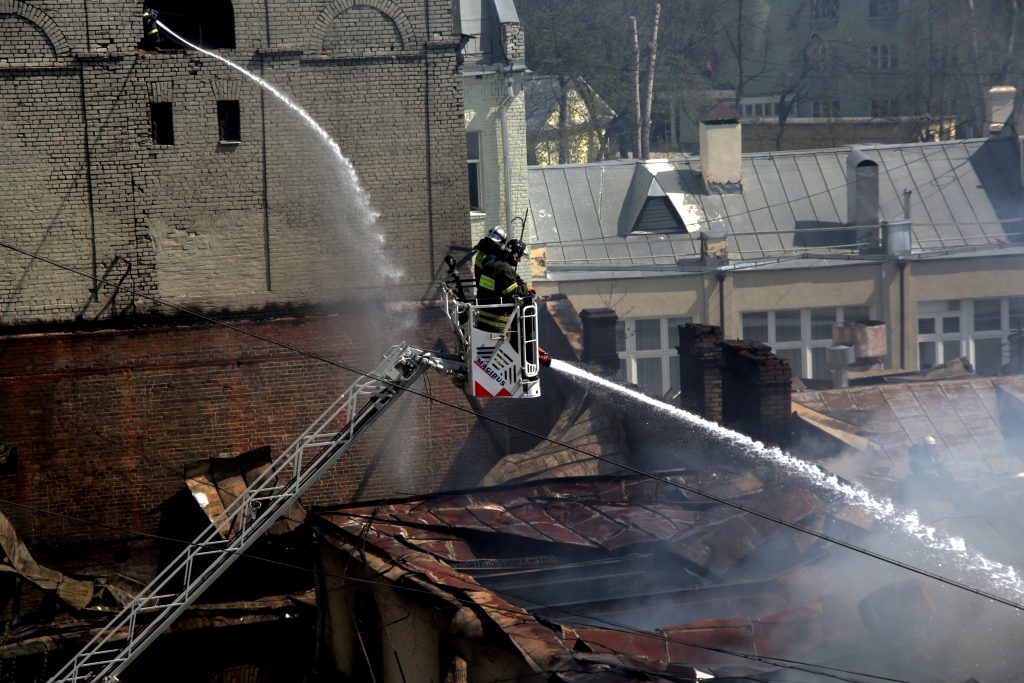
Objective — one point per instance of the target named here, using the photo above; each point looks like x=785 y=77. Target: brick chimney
x=700 y=372
x=757 y=392
x=599 y=338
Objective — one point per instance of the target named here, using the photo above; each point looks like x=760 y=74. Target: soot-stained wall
x=105 y=392
x=269 y=220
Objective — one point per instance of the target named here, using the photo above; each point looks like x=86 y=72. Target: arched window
x=206 y=23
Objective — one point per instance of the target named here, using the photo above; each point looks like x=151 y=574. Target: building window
x=206 y=23
x=824 y=9
x=978 y=329
x=883 y=57
x=800 y=336
x=883 y=108
x=161 y=120
x=473 y=162
x=229 y=121
x=883 y=9
x=819 y=55
x=825 y=109
x=759 y=109
x=647 y=353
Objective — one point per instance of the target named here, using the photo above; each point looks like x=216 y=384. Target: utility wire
x=781 y=662
x=542 y=437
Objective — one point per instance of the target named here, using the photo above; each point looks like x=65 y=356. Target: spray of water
x=347 y=171
x=1002 y=579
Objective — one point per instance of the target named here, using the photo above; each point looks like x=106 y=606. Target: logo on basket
x=490 y=373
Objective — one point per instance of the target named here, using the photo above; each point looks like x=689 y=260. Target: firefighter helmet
x=497 y=233
x=516 y=249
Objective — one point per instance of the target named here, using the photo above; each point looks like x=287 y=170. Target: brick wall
x=269 y=222
x=700 y=370
x=756 y=389
x=104 y=422
x=739 y=384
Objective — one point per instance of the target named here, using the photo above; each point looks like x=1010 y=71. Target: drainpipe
x=506 y=155
x=720 y=276
x=902 y=265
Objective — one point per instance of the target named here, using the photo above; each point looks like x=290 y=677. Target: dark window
x=161 y=116
x=206 y=23
x=883 y=8
x=473 y=162
x=824 y=9
x=229 y=121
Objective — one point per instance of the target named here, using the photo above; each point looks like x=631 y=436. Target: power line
x=557 y=442
x=781 y=662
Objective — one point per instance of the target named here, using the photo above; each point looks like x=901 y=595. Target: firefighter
x=500 y=284
x=150 y=31
x=489 y=247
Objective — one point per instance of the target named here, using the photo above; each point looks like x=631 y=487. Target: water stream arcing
x=1002 y=579
x=346 y=171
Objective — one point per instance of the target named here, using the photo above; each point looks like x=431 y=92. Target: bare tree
x=637 y=128
x=652 y=58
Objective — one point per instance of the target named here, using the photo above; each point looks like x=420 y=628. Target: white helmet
x=497 y=233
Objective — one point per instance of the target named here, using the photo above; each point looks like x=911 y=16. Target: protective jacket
x=149 y=28
x=486 y=250
x=498 y=284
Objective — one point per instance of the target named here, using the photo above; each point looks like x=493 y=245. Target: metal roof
x=965 y=417
x=964 y=194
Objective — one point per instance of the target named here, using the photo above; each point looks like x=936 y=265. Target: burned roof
x=972 y=421
x=630 y=573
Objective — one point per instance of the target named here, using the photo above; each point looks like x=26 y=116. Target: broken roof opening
x=207 y=23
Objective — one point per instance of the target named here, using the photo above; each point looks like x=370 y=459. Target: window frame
x=884 y=56
x=824 y=10
x=625 y=334
x=883 y=107
x=474 y=169
x=967 y=334
x=161 y=123
x=229 y=111
x=883 y=9
x=825 y=109
x=807 y=343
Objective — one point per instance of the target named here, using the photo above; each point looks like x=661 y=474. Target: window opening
x=800 y=336
x=648 y=355
x=229 y=120
x=161 y=117
x=206 y=23
x=878 y=9
x=824 y=9
x=473 y=163
x=884 y=57
x=978 y=329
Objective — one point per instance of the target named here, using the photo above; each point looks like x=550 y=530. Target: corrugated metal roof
x=963 y=194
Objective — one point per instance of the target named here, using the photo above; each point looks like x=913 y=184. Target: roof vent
x=862 y=196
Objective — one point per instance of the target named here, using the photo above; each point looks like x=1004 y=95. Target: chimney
x=721 y=150
x=599 y=338
x=700 y=370
x=862 y=196
x=757 y=391
x=714 y=249
x=998 y=107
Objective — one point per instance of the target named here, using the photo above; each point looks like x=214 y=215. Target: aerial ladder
x=486 y=363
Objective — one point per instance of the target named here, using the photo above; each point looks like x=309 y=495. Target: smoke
x=879 y=618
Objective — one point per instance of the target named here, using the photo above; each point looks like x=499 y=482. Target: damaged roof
x=973 y=421
x=605 y=556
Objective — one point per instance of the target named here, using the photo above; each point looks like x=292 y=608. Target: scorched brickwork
x=106 y=392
